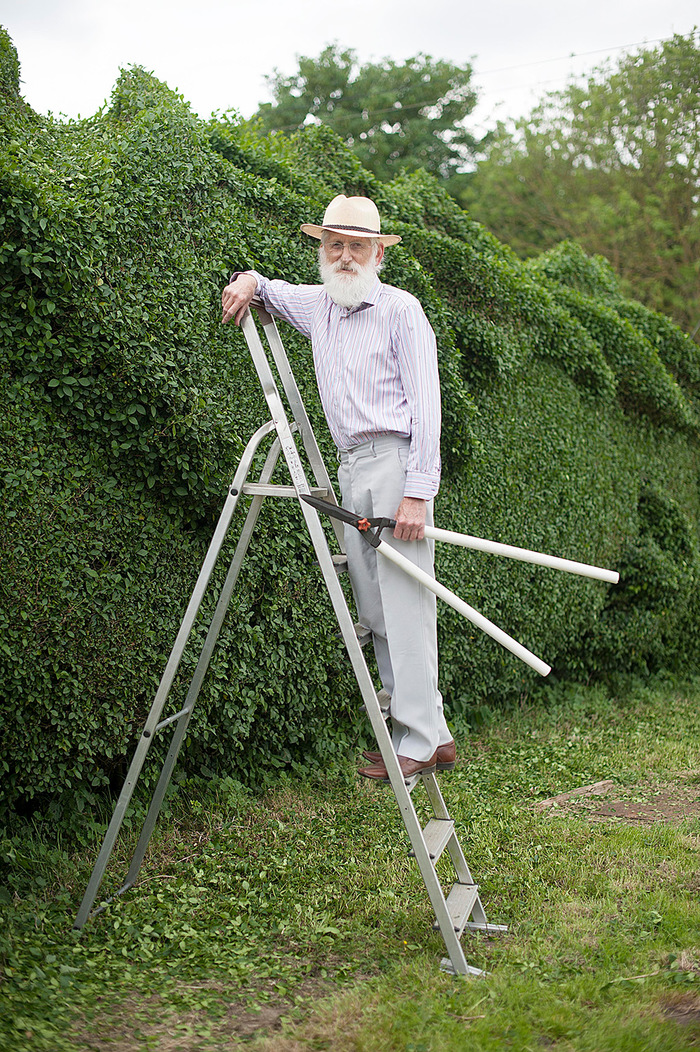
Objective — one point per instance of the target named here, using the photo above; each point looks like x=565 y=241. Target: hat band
x=345 y=226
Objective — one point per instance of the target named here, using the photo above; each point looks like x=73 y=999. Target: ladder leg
x=198 y=677
x=156 y=802
x=112 y=831
x=168 y=676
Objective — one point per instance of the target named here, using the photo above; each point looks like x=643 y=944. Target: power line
x=394 y=110
x=564 y=58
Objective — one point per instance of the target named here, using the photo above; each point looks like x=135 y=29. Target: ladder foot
x=446 y=965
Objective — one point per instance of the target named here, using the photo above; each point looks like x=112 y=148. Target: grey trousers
x=400 y=613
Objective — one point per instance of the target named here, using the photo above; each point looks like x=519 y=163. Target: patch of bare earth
x=683 y=1009
x=673 y=802
x=141 y=1020
x=146 y=1021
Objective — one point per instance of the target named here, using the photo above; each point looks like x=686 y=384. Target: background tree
x=394 y=116
x=613 y=165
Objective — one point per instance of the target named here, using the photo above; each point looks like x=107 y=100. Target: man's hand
x=410 y=519
x=236 y=297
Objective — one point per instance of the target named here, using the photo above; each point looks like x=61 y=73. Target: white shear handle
x=539 y=558
x=463 y=608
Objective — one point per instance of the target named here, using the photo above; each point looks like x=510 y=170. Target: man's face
x=349 y=266
x=349 y=255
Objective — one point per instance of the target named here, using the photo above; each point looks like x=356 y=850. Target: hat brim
x=317 y=231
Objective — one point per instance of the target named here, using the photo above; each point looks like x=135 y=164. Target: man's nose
x=346 y=256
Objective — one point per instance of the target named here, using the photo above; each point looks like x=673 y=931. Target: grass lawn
x=296 y=920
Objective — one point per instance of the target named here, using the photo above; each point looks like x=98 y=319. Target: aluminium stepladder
x=462 y=908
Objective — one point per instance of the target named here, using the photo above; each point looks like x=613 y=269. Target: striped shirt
x=376 y=369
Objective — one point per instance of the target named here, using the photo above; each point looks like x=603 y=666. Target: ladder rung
x=460 y=903
x=437 y=835
x=384 y=699
x=340 y=562
x=269 y=489
x=171 y=719
x=491 y=929
x=364 y=634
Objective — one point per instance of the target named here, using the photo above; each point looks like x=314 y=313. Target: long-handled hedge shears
x=371 y=530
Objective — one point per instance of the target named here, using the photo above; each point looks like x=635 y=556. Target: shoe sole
x=416 y=774
x=439 y=766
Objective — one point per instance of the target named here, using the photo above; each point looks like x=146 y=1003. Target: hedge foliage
x=571 y=426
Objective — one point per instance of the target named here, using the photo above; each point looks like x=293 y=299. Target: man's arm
x=292 y=303
x=416 y=354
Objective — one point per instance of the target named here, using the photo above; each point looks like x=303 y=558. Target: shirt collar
x=373 y=295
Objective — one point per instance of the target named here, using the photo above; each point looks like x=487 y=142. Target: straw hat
x=352 y=215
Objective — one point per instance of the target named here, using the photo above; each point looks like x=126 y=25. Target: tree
x=394 y=116
x=614 y=165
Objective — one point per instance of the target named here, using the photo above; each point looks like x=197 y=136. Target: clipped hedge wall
x=570 y=426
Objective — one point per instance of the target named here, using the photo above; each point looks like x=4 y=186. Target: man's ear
x=380 y=254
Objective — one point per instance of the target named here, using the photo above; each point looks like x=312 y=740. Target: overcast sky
x=216 y=52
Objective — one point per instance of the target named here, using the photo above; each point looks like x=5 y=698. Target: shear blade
x=331 y=509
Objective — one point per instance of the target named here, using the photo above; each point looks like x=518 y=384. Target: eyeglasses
x=357 y=248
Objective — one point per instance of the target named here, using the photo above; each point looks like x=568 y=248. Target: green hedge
x=570 y=426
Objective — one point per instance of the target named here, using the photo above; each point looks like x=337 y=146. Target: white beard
x=347 y=285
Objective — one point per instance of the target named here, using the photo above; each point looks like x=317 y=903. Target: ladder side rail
x=435 y=796
x=291 y=390
x=201 y=669
x=168 y=676
x=318 y=537
x=450 y=935
x=298 y=409
x=369 y=695
x=440 y=811
x=396 y=777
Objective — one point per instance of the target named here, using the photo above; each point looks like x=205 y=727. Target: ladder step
x=460 y=903
x=271 y=489
x=364 y=635
x=384 y=699
x=437 y=835
x=340 y=562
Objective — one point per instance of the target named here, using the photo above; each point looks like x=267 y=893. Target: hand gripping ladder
x=462 y=907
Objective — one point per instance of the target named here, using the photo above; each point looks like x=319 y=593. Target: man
x=376 y=366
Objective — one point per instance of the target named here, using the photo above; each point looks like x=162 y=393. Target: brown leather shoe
x=446 y=756
x=409 y=768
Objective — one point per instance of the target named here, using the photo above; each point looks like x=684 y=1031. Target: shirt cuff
x=421 y=485
x=253 y=274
